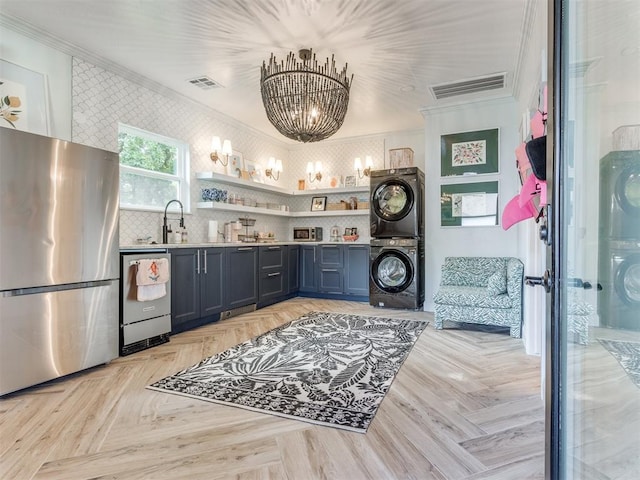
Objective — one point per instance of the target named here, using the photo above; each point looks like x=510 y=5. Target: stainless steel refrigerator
x=59 y=271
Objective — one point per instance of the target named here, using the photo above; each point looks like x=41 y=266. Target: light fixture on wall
x=314 y=171
x=305 y=101
x=224 y=148
x=274 y=167
x=368 y=164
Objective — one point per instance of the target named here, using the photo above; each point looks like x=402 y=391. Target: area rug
x=628 y=356
x=330 y=369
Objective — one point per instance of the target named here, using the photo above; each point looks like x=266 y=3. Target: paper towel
x=213 y=231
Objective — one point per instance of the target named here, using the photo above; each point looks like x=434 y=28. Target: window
x=153 y=170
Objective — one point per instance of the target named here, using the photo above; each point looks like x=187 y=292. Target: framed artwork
x=335 y=181
x=400 y=157
x=318 y=204
x=469 y=204
x=236 y=164
x=254 y=170
x=350 y=181
x=23 y=99
x=469 y=153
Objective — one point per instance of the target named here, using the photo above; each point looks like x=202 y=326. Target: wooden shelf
x=239 y=182
x=331 y=213
x=332 y=191
x=230 y=207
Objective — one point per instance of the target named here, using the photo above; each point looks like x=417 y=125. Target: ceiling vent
x=204 y=82
x=466 y=87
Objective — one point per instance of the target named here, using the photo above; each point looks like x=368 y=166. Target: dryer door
x=627 y=281
x=392 y=271
x=627 y=190
x=393 y=200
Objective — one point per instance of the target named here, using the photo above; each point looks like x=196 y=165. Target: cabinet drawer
x=272 y=285
x=330 y=255
x=271 y=257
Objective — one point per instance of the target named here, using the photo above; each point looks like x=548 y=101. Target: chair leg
x=438 y=323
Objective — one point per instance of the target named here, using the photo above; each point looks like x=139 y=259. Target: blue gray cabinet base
x=213 y=283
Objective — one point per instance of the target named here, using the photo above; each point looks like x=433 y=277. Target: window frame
x=182 y=175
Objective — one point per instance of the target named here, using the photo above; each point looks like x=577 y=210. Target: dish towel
x=151 y=278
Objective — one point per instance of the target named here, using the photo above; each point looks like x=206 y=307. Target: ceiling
x=397 y=50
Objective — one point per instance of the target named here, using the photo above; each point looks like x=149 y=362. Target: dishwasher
x=143 y=324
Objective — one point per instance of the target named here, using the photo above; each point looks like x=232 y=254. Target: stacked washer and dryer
x=396 y=267
x=619 y=240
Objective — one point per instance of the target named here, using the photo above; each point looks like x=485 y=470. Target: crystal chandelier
x=305 y=101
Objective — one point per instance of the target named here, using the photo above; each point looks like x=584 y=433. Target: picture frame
x=29 y=110
x=470 y=153
x=255 y=171
x=472 y=204
x=334 y=181
x=318 y=204
x=236 y=164
x=350 y=181
x=400 y=158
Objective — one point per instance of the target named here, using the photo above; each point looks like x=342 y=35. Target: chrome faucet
x=165 y=228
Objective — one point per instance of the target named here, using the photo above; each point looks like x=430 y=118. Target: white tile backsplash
x=102 y=100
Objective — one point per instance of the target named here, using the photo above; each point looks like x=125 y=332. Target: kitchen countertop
x=144 y=246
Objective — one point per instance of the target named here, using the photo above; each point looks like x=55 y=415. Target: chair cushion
x=470 y=297
x=497 y=282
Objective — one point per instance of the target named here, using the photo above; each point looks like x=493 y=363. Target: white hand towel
x=152 y=271
x=151 y=292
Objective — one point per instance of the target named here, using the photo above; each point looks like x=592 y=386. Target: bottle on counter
x=177 y=236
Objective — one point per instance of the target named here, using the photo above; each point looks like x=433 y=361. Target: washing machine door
x=392 y=271
x=627 y=190
x=627 y=281
x=393 y=200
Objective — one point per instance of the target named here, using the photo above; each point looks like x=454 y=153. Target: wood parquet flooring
x=465 y=405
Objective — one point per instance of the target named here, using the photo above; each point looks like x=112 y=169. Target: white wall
x=441 y=242
x=55 y=65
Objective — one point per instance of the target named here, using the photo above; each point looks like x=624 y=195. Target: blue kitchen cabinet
x=293 y=271
x=196 y=286
x=308 y=274
x=330 y=269
x=241 y=279
x=273 y=269
x=356 y=278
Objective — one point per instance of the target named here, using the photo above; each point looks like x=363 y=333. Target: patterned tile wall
x=102 y=99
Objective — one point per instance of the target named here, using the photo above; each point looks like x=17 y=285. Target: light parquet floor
x=465 y=405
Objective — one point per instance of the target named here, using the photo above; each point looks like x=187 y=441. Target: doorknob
x=544 y=280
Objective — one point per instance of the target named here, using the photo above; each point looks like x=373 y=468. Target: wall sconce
x=368 y=163
x=274 y=167
x=224 y=149
x=314 y=173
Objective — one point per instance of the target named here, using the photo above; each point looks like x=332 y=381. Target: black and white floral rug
x=628 y=356
x=326 y=368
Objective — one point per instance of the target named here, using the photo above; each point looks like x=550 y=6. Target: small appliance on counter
x=307 y=234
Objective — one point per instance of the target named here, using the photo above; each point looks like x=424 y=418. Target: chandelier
x=305 y=101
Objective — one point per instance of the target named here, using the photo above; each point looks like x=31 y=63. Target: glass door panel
x=595 y=258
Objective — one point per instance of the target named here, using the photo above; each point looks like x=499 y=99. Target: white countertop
x=144 y=246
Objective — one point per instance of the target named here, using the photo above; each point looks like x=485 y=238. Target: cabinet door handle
x=273 y=274
x=198 y=263
x=204 y=256
x=241 y=249
x=274 y=248
x=329 y=270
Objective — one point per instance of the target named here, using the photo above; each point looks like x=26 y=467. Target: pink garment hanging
x=514 y=213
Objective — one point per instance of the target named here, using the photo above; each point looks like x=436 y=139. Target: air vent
x=465 y=87
x=204 y=82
